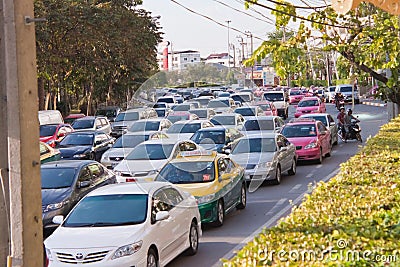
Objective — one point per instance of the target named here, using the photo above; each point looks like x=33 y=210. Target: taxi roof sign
x=194 y=153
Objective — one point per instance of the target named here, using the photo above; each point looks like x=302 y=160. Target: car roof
x=191 y=121
x=227 y=114
x=314 y=115
x=67 y=163
x=257 y=134
x=261 y=118
x=300 y=121
x=179 y=113
x=310 y=98
x=152 y=119
x=215 y=128
x=130 y=188
x=87 y=132
x=166 y=141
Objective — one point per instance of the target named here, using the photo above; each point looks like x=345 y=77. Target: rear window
x=274 y=97
x=345 y=89
x=299 y=130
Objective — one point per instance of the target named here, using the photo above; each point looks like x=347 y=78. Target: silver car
x=265 y=156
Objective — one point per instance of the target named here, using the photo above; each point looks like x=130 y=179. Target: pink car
x=295 y=96
x=310 y=105
x=268 y=108
x=311 y=138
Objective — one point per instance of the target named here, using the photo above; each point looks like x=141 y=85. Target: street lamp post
x=249 y=34
x=229 y=55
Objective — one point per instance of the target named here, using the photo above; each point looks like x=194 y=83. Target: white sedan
x=132 y=224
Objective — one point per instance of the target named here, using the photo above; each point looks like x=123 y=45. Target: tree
x=368 y=38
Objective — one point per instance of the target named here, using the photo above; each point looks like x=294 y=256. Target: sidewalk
x=373 y=102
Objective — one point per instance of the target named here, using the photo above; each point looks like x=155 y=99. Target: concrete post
x=20 y=133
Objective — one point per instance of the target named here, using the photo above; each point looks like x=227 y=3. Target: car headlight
x=127 y=250
x=311 y=145
x=206 y=199
x=79 y=156
x=56 y=206
x=265 y=164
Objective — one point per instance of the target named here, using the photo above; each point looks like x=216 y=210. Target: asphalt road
x=269 y=203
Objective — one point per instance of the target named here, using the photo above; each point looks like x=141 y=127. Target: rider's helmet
x=349 y=111
x=342 y=108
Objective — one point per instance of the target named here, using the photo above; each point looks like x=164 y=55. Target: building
x=221 y=58
x=178 y=60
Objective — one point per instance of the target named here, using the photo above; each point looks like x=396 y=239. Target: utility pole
x=229 y=54
x=21 y=240
x=249 y=34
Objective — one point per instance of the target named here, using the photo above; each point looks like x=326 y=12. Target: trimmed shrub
x=351 y=220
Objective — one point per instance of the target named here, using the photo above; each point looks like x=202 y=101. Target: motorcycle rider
x=348 y=118
x=338 y=97
x=341 y=122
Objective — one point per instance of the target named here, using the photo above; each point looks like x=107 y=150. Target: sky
x=189 y=31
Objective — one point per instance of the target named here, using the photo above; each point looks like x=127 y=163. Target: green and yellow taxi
x=214 y=179
x=47 y=153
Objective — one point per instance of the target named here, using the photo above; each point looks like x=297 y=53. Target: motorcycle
x=353 y=132
x=339 y=102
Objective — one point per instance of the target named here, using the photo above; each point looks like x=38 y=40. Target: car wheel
x=328 y=154
x=220 y=213
x=319 y=160
x=292 y=170
x=358 y=135
x=152 y=259
x=243 y=198
x=193 y=239
x=278 y=175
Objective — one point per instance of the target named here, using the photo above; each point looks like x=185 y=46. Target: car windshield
x=55 y=178
x=182 y=107
x=299 y=130
x=308 y=103
x=245 y=111
x=130 y=141
x=108 y=210
x=295 y=92
x=187 y=172
x=127 y=116
x=241 y=98
x=184 y=128
x=209 y=137
x=203 y=101
x=223 y=120
x=217 y=104
x=265 y=107
x=83 y=124
x=254 y=145
x=257 y=125
x=201 y=113
x=274 y=97
x=141 y=126
x=106 y=112
x=175 y=118
x=47 y=130
x=318 y=118
x=346 y=89
x=77 y=139
x=151 y=152
x=166 y=100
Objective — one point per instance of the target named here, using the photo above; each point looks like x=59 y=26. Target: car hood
x=279 y=104
x=94 y=237
x=51 y=196
x=245 y=159
x=216 y=147
x=180 y=136
x=199 y=189
x=65 y=151
x=302 y=141
x=135 y=166
x=118 y=152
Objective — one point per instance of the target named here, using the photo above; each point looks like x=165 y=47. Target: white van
x=50 y=117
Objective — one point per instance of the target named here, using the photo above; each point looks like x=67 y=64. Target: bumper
x=259 y=174
x=308 y=154
x=208 y=212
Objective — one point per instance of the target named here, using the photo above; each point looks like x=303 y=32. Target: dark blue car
x=64 y=183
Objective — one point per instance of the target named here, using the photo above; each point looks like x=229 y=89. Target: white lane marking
x=268 y=224
x=274 y=208
x=294 y=188
x=319 y=166
x=309 y=175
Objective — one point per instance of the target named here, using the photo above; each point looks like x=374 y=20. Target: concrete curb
x=373 y=104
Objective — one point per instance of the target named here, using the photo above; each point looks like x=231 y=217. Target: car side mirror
x=83 y=184
x=109 y=145
x=162 y=215
x=98 y=142
x=58 y=219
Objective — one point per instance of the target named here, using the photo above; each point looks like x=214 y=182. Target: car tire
x=293 y=169
x=193 y=239
x=220 y=214
x=278 y=175
x=358 y=136
x=243 y=198
x=152 y=259
x=319 y=160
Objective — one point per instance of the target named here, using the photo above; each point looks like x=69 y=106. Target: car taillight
x=130 y=180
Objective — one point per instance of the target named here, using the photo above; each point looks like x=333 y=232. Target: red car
x=268 y=108
x=295 y=95
x=52 y=133
x=72 y=117
x=311 y=138
x=310 y=105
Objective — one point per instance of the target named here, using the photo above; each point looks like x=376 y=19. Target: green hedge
x=352 y=220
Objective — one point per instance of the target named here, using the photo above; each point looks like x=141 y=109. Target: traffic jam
x=135 y=187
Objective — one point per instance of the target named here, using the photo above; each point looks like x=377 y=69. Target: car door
x=83 y=184
x=225 y=179
x=332 y=127
x=284 y=154
x=100 y=176
x=101 y=142
x=325 y=138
